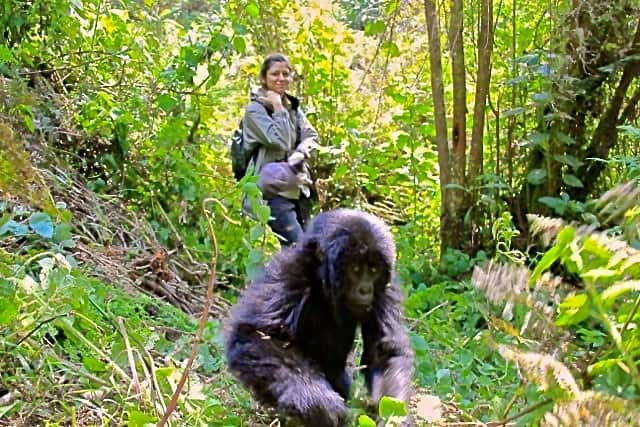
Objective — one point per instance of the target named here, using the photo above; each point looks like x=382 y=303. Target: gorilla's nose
x=366 y=289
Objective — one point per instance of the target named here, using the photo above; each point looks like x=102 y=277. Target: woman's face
x=278 y=77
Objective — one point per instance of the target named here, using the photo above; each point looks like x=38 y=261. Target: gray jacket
x=275 y=135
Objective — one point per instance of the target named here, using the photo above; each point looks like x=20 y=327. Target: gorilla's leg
x=284 y=378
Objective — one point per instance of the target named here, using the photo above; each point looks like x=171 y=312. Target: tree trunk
x=459 y=128
x=437 y=90
x=485 y=48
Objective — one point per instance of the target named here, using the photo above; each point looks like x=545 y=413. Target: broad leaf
x=536 y=176
x=390 y=407
x=373 y=28
x=572 y=181
x=42 y=224
x=366 y=421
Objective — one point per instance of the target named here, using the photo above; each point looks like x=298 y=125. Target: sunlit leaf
x=8 y=310
x=366 y=421
x=574 y=309
x=253 y=10
x=390 y=407
x=603 y=366
x=375 y=27
x=551 y=256
x=140 y=419
x=166 y=102
x=239 y=44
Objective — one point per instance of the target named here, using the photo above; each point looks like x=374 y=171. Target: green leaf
x=253 y=10
x=62 y=232
x=603 y=366
x=547 y=260
x=27 y=116
x=239 y=44
x=140 y=419
x=42 y=224
x=390 y=407
x=572 y=181
x=262 y=212
x=537 y=176
x=539 y=139
x=557 y=204
x=566 y=236
x=375 y=27
x=166 y=102
x=8 y=310
x=6 y=56
x=604 y=275
x=366 y=421
x=564 y=138
x=93 y=364
x=340 y=171
x=420 y=344
x=256 y=232
x=568 y=159
x=255 y=256
x=574 y=309
x=391 y=48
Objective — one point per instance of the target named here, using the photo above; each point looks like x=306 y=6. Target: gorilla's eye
x=374 y=270
x=356 y=268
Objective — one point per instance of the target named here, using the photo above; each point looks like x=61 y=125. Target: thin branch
x=203 y=320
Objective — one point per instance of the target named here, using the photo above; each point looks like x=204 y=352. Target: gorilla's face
x=363 y=280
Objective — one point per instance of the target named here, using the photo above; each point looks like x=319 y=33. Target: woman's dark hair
x=270 y=60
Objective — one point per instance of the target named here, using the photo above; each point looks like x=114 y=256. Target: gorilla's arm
x=387 y=352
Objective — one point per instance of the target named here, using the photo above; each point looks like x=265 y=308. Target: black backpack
x=239 y=155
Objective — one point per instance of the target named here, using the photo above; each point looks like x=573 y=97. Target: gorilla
x=291 y=331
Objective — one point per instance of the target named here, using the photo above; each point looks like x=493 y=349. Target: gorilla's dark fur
x=291 y=331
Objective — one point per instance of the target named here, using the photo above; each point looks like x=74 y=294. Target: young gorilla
x=291 y=331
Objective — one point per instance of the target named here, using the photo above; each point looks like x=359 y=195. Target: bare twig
x=203 y=320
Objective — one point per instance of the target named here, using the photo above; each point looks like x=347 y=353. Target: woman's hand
x=273 y=99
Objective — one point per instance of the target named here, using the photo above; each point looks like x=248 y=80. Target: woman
x=282 y=137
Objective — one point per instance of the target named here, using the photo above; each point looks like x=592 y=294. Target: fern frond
x=500 y=282
x=542 y=369
x=613 y=204
x=545 y=227
x=592 y=409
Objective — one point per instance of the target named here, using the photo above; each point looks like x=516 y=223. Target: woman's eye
x=373 y=269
